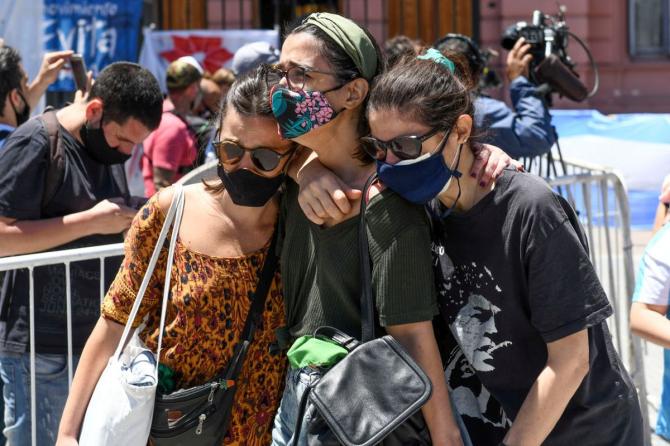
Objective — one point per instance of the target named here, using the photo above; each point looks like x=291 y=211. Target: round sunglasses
x=263 y=158
x=404 y=147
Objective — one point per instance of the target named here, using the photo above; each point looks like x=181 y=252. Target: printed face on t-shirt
x=476 y=320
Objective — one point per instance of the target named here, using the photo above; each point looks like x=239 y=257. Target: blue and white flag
x=102 y=31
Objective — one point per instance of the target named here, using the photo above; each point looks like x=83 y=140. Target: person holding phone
x=85 y=207
x=17 y=96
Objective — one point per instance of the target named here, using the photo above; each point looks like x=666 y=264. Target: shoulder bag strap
x=260 y=295
x=367 y=302
x=176 y=209
x=255 y=311
x=55 y=159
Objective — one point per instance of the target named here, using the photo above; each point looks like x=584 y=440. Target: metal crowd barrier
x=600 y=199
x=30 y=262
x=66 y=257
x=597 y=194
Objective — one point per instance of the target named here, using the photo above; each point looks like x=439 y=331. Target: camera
x=551 y=69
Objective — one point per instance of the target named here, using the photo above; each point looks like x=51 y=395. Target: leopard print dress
x=210 y=298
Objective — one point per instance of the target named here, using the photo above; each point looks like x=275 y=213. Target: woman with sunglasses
x=222 y=245
x=522 y=299
x=321 y=86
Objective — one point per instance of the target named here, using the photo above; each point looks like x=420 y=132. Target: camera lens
x=509 y=37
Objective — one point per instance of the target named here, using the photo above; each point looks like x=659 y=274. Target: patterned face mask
x=299 y=112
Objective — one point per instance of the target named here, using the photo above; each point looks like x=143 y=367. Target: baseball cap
x=251 y=55
x=183 y=72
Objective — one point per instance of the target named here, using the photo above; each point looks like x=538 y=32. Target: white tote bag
x=121 y=407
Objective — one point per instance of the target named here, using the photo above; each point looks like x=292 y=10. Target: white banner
x=21 y=27
x=213 y=49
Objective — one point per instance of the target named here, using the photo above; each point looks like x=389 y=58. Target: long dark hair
x=345 y=70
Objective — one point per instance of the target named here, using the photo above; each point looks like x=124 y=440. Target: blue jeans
x=297 y=381
x=52 y=390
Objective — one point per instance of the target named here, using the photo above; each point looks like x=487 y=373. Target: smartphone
x=78 y=71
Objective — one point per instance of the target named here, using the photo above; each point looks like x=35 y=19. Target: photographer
x=525 y=130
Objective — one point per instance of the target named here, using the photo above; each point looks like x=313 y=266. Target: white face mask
x=425 y=155
x=412 y=161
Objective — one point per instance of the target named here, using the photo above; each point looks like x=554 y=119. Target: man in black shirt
x=62 y=185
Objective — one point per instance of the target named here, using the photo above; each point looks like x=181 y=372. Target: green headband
x=438 y=57
x=350 y=37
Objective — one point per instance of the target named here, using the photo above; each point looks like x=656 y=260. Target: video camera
x=551 y=68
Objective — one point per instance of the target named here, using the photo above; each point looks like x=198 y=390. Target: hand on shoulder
x=323 y=196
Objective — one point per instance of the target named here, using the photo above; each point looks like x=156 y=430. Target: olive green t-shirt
x=321 y=273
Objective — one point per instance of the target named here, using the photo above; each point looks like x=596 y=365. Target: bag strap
x=56 y=158
x=300 y=419
x=173 y=216
x=367 y=302
x=255 y=311
x=260 y=295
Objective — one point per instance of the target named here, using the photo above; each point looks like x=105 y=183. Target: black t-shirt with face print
x=522 y=278
x=23 y=168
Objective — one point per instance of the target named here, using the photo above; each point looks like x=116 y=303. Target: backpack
x=56 y=161
x=56 y=158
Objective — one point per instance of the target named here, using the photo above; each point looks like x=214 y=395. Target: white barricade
x=30 y=262
x=599 y=196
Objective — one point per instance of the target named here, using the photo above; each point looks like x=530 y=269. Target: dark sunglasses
x=404 y=147
x=263 y=158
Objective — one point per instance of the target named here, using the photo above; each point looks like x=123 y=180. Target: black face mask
x=248 y=189
x=98 y=148
x=24 y=115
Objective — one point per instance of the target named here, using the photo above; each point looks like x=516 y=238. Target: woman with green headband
x=321 y=88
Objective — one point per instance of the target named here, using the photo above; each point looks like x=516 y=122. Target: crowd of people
x=478 y=269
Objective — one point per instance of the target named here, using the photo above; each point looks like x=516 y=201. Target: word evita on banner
x=102 y=31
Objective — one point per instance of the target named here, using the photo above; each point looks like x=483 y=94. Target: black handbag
x=200 y=415
x=375 y=393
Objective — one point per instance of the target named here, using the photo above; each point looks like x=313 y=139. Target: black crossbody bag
x=200 y=415
x=375 y=393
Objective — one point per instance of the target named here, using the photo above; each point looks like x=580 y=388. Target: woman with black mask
x=222 y=244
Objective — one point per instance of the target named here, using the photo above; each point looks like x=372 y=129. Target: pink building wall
x=627 y=84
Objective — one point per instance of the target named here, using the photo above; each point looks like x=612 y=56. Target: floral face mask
x=299 y=112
